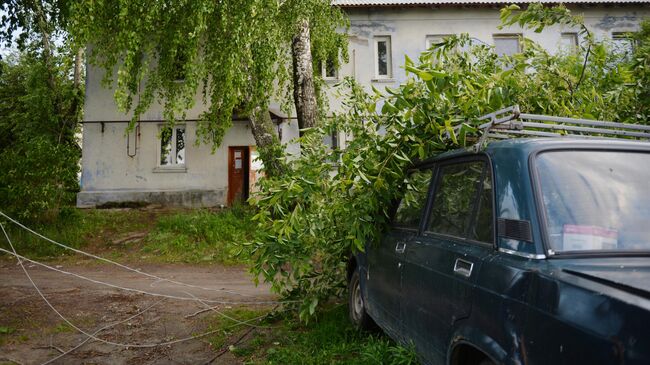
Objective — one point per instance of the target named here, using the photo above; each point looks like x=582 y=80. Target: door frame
x=245 y=174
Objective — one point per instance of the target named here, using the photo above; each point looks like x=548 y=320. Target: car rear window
x=596 y=200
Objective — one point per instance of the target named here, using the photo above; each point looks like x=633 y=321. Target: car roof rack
x=511 y=123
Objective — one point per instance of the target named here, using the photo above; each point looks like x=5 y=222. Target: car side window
x=410 y=207
x=456 y=199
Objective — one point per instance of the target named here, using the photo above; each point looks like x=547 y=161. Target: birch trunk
x=269 y=147
x=304 y=92
x=78 y=61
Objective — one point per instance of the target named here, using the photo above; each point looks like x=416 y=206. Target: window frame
x=323 y=68
x=389 y=56
x=429 y=37
x=434 y=188
x=575 y=39
x=174 y=166
x=517 y=36
x=618 y=36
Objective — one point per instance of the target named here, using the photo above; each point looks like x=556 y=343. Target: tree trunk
x=304 y=92
x=269 y=147
x=44 y=29
x=78 y=61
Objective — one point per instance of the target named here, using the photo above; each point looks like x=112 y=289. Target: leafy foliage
x=39 y=155
x=314 y=216
x=234 y=53
x=25 y=21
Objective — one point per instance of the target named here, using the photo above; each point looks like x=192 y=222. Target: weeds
x=74 y=228
x=329 y=340
x=191 y=236
x=201 y=236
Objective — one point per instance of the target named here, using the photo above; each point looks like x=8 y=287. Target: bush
x=39 y=155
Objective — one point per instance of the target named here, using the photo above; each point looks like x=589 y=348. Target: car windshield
x=596 y=200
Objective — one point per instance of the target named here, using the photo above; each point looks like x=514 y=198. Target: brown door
x=238 y=168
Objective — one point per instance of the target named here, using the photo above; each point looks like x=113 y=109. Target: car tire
x=356 y=305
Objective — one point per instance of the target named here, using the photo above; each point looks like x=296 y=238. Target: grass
x=5 y=332
x=170 y=236
x=201 y=236
x=75 y=228
x=329 y=340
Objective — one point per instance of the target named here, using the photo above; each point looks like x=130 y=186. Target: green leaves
x=332 y=203
x=425 y=75
x=231 y=52
x=38 y=120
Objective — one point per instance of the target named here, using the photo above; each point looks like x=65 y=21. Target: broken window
x=383 y=62
x=172 y=146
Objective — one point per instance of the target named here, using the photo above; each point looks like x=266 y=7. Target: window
x=433 y=39
x=383 y=62
x=331 y=140
x=622 y=44
x=506 y=44
x=329 y=71
x=410 y=207
x=595 y=200
x=462 y=206
x=172 y=146
x=569 y=42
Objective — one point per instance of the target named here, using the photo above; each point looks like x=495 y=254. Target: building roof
x=369 y=3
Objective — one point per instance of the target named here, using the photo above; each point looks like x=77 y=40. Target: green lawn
x=330 y=339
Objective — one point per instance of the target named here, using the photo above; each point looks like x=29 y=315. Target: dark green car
x=532 y=251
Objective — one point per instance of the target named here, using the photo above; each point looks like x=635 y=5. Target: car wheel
x=357 y=306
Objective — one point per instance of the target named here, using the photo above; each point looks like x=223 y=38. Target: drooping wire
x=152 y=276
x=92 y=336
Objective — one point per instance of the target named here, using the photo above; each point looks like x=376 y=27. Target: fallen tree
x=310 y=220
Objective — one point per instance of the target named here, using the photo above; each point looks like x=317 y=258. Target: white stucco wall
x=408 y=28
x=107 y=169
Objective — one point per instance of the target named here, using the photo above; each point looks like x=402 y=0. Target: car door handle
x=400 y=247
x=463 y=268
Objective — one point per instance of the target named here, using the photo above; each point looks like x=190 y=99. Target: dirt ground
x=34 y=334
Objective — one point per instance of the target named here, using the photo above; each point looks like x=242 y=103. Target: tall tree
x=236 y=51
x=33 y=25
x=304 y=90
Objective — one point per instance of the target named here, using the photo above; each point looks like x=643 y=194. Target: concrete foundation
x=169 y=198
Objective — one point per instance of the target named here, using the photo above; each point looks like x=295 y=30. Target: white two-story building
x=168 y=168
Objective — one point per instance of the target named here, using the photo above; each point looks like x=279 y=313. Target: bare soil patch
x=31 y=333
